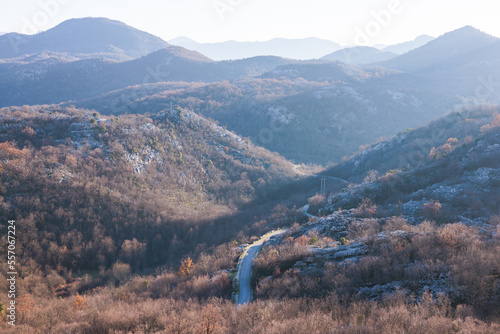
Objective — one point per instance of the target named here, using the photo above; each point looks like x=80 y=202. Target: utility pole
x=323 y=186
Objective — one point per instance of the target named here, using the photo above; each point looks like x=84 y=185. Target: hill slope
x=360 y=55
x=85 y=38
x=54 y=78
x=313 y=112
x=133 y=189
x=449 y=46
x=453 y=160
x=405 y=47
x=427 y=232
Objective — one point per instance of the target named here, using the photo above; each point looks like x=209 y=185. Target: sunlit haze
x=258 y=20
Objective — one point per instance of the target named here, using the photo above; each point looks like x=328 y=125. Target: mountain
x=301 y=49
x=459 y=137
x=444 y=48
x=405 y=47
x=117 y=210
x=420 y=220
x=300 y=110
x=52 y=78
x=85 y=38
x=317 y=71
x=465 y=61
x=186 y=42
x=156 y=180
x=359 y=55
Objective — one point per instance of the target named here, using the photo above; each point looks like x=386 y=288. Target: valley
x=294 y=185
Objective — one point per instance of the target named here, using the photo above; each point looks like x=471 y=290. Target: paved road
x=304 y=210
x=244 y=273
x=296 y=167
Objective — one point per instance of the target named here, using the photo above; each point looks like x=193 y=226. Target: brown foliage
x=303 y=240
x=211 y=320
x=366 y=209
x=80 y=302
x=186 y=268
x=432 y=210
x=363 y=228
x=25 y=305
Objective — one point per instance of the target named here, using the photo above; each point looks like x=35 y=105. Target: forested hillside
x=89 y=190
x=139 y=178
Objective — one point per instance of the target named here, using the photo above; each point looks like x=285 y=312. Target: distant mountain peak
x=87 y=37
x=468 y=28
x=90 y=19
x=466 y=31
x=449 y=46
x=182 y=39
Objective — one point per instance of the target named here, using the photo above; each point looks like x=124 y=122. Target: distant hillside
x=360 y=55
x=317 y=71
x=53 y=78
x=302 y=49
x=419 y=219
x=453 y=161
x=306 y=112
x=85 y=38
x=449 y=46
x=405 y=47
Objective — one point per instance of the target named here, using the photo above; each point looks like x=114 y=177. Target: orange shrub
x=80 y=303
x=186 y=268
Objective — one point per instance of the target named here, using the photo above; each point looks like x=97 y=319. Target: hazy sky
x=346 y=22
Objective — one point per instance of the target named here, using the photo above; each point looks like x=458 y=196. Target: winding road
x=243 y=277
x=304 y=210
x=296 y=168
x=244 y=272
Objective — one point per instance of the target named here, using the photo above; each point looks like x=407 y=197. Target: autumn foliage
x=211 y=320
x=25 y=304
x=80 y=302
x=186 y=268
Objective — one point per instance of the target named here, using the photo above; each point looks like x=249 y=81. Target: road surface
x=244 y=273
x=304 y=210
x=296 y=168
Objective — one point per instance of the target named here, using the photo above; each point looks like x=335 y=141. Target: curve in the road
x=304 y=210
x=244 y=273
x=243 y=277
x=296 y=168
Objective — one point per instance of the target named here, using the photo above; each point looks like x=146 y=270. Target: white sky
x=257 y=20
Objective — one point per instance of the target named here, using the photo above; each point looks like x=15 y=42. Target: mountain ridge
x=445 y=47
x=405 y=47
x=359 y=55
x=300 y=49
x=95 y=36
